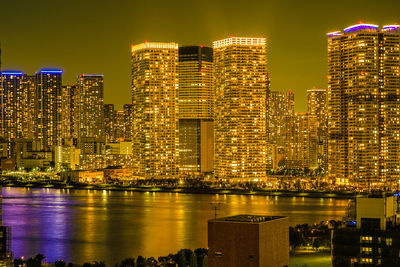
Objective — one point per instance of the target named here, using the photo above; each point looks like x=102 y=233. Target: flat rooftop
x=248 y=218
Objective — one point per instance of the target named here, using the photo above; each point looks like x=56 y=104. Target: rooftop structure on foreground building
x=248 y=240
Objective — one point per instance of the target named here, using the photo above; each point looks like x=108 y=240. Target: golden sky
x=94 y=36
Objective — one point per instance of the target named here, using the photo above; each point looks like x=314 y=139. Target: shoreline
x=187 y=190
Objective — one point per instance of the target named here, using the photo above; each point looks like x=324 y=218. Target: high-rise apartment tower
x=363 y=105
x=154 y=99
x=241 y=90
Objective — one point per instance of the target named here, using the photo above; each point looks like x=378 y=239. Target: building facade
x=70 y=113
x=48 y=108
x=12 y=105
x=154 y=99
x=317 y=106
x=241 y=89
x=363 y=107
x=281 y=117
x=372 y=238
x=302 y=148
x=91 y=114
x=128 y=117
x=109 y=122
x=196 y=102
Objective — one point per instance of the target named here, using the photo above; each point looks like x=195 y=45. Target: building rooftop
x=11 y=72
x=51 y=71
x=248 y=218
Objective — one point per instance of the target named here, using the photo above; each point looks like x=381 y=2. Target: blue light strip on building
x=8 y=72
x=51 y=71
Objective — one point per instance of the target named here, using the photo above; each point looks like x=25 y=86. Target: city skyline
x=106 y=37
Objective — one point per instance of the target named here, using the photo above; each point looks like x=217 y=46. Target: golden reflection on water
x=110 y=225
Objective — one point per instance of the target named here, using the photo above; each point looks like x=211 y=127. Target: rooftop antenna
x=215 y=207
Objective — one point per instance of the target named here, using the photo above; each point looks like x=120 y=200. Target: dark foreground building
x=373 y=239
x=6 y=255
x=248 y=240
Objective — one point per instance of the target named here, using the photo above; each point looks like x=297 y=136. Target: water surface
x=82 y=225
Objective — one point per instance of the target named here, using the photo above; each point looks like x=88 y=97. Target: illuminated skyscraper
x=91 y=138
x=363 y=104
x=119 y=125
x=12 y=105
x=17 y=100
x=128 y=117
x=280 y=116
x=241 y=86
x=316 y=106
x=195 y=92
x=29 y=85
x=316 y=103
x=302 y=147
x=69 y=117
x=91 y=114
x=109 y=122
x=196 y=101
x=48 y=108
x=154 y=99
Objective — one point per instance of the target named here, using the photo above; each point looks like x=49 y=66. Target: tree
x=152 y=261
x=141 y=262
x=95 y=264
x=182 y=259
x=59 y=263
x=129 y=262
x=18 y=262
x=192 y=260
x=205 y=261
x=35 y=261
x=295 y=238
x=200 y=253
x=316 y=243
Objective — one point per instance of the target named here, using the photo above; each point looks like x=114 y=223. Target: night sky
x=94 y=36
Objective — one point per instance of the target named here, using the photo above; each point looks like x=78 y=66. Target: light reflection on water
x=82 y=225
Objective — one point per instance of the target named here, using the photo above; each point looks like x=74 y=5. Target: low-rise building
x=248 y=240
x=86 y=177
x=373 y=238
x=124 y=175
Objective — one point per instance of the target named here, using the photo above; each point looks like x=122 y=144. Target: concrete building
x=119 y=154
x=109 y=122
x=317 y=106
x=363 y=109
x=128 y=118
x=30 y=154
x=12 y=105
x=280 y=117
x=196 y=102
x=70 y=113
x=248 y=240
x=241 y=90
x=67 y=157
x=91 y=113
x=91 y=136
x=196 y=146
x=48 y=108
x=302 y=147
x=17 y=108
x=154 y=99
x=83 y=176
x=373 y=238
